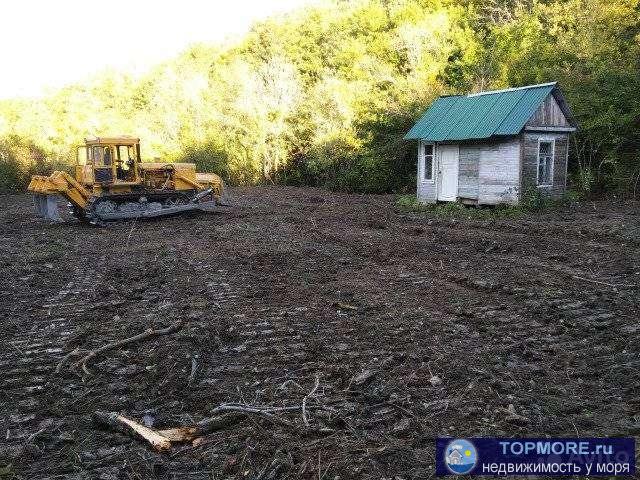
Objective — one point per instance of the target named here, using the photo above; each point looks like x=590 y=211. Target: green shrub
x=573 y=196
x=209 y=159
x=409 y=203
x=11 y=177
x=20 y=160
x=533 y=200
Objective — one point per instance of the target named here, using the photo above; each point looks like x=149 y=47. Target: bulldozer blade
x=47 y=207
x=162 y=212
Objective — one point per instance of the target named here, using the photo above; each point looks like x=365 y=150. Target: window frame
x=423 y=154
x=95 y=155
x=80 y=158
x=552 y=141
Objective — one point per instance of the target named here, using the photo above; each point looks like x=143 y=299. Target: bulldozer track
x=416 y=326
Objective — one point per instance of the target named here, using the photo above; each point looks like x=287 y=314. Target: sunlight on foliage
x=323 y=96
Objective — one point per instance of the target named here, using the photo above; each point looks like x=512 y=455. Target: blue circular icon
x=460 y=456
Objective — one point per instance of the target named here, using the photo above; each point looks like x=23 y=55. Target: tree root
x=150 y=333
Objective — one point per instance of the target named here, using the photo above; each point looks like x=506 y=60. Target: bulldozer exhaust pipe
x=47 y=206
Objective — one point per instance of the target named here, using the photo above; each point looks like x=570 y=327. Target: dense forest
x=323 y=95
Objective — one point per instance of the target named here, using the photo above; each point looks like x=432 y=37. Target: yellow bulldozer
x=112 y=183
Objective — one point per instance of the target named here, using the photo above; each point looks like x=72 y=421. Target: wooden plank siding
x=426 y=189
x=548 y=114
x=468 y=171
x=530 y=163
x=498 y=173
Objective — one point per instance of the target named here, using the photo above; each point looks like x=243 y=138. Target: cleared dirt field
x=416 y=327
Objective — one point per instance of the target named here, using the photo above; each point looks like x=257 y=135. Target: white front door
x=448 y=173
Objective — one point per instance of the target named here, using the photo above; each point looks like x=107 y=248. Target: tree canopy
x=323 y=95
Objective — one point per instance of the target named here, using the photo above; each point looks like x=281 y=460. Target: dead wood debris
x=67 y=357
x=363 y=377
x=224 y=416
x=125 y=425
x=346 y=306
x=194 y=369
x=304 y=400
x=147 y=334
x=500 y=334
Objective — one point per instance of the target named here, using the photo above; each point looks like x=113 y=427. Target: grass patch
x=47 y=253
x=7 y=472
x=409 y=203
x=531 y=202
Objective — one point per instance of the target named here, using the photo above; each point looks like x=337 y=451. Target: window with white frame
x=545 y=162
x=428 y=157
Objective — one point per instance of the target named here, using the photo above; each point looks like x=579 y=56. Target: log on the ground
x=212 y=424
x=127 y=426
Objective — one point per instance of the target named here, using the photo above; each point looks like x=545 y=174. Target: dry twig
x=305 y=419
x=194 y=368
x=33 y=436
x=65 y=359
x=263 y=412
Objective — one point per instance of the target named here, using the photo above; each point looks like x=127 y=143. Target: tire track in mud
x=546 y=326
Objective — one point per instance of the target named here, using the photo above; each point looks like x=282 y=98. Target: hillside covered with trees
x=323 y=95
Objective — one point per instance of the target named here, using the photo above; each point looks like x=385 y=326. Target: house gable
x=548 y=114
x=553 y=115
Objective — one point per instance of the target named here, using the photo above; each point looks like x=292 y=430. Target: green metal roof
x=480 y=115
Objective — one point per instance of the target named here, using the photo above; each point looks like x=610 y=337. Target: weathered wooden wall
x=426 y=191
x=488 y=172
x=548 y=114
x=530 y=163
x=499 y=172
x=468 y=171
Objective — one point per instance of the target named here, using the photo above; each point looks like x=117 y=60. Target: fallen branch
x=150 y=333
x=67 y=357
x=33 y=436
x=345 y=306
x=194 y=369
x=232 y=414
x=305 y=419
x=213 y=424
x=124 y=425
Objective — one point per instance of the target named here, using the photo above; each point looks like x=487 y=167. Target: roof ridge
x=480 y=116
x=512 y=89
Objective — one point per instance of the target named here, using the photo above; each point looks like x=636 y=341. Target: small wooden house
x=489 y=148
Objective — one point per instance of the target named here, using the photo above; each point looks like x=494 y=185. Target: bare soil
x=416 y=326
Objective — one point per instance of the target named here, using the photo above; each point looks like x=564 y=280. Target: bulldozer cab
x=108 y=161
